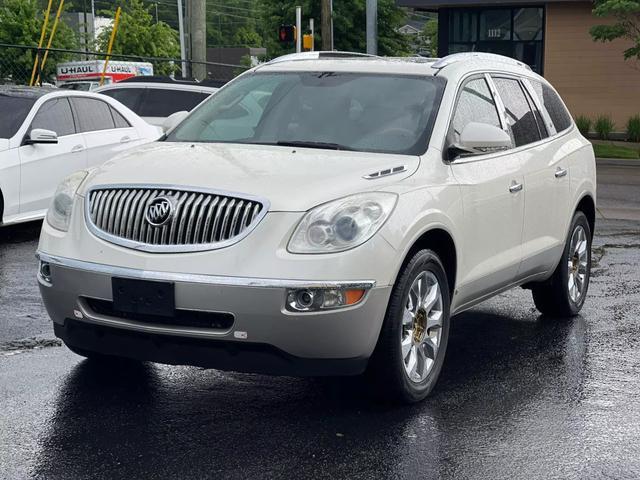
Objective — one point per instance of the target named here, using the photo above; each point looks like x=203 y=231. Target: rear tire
x=411 y=348
x=563 y=295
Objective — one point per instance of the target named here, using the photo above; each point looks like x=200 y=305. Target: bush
x=633 y=129
x=584 y=124
x=604 y=126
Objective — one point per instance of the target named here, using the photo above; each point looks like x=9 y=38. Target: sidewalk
x=618 y=189
x=618 y=161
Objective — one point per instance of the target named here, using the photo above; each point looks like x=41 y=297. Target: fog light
x=315 y=299
x=45 y=271
x=304 y=298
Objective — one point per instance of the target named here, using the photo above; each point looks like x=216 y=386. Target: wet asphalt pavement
x=520 y=396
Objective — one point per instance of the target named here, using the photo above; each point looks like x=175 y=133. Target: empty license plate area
x=143 y=297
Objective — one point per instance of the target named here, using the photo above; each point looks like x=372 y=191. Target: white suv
x=327 y=214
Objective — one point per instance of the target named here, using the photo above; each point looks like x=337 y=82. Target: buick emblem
x=159 y=211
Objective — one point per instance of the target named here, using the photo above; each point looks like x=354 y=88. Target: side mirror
x=40 y=135
x=480 y=138
x=173 y=120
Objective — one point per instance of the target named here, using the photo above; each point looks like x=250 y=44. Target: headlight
x=59 y=213
x=342 y=224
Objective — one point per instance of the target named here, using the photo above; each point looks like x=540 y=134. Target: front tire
x=413 y=341
x=563 y=295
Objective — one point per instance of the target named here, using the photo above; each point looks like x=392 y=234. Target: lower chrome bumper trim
x=202 y=278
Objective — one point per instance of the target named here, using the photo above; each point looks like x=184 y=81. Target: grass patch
x=615 y=151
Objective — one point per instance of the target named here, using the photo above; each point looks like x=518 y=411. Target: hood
x=4 y=144
x=292 y=179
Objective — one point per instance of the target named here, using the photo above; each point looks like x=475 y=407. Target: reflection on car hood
x=292 y=179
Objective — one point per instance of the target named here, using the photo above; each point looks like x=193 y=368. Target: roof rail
x=175 y=81
x=468 y=56
x=292 y=57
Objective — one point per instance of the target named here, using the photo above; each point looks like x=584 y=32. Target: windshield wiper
x=304 y=144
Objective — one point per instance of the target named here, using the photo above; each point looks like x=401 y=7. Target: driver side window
x=55 y=115
x=475 y=104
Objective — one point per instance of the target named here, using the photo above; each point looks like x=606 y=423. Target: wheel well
x=588 y=207
x=440 y=242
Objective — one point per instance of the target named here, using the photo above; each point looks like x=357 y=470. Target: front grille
x=200 y=219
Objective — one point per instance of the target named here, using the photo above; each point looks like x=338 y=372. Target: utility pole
x=326 y=27
x=93 y=21
x=183 y=53
x=198 y=31
x=298 y=29
x=312 y=30
x=372 y=27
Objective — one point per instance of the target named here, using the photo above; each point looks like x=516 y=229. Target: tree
x=349 y=25
x=139 y=35
x=626 y=25
x=21 y=24
x=233 y=23
x=430 y=36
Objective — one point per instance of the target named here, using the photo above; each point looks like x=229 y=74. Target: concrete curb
x=618 y=161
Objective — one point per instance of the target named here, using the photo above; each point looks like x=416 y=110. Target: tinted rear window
x=19 y=108
x=92 y=114
x=519 y=116
x=129 y=97
x=159 y=102
x=559 y=115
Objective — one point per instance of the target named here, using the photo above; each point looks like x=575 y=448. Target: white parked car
x=47 y=134
x=157 y=98
x=336 y=229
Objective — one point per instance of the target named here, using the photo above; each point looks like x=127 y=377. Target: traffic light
x=287 y=34
x=307 y=42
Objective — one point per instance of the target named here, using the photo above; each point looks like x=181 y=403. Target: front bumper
x=263 y=337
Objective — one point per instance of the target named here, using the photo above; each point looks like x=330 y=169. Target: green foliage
x=615 y=151
x=626 y=24
x=21 y=24
x=349 y=25
x=584 y=124
x=233 y=23
x=139 y=35
x=430 y=35
x=633 y=129
x=604 y=126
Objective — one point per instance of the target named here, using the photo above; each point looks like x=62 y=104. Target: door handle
x=560 y=172
x=515 y=187
x=125 y=139
x=77 y=148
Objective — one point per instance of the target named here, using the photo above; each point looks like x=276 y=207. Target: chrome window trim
x=145 y=247
x=126 y=272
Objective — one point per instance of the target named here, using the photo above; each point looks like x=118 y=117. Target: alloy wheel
x=577 y=263
x=422 y=326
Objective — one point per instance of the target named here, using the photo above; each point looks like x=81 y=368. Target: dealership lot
x=520 y=395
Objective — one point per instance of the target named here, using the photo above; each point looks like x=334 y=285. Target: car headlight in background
x=59 y=213
x=342 y=224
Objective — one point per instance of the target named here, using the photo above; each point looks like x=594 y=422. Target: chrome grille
x=201 y=219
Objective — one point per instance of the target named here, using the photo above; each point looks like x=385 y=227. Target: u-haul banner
x=93 y=68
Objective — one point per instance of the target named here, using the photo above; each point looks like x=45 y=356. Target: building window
x=516 y=32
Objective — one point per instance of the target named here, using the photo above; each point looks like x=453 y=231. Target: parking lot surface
x=520 y=396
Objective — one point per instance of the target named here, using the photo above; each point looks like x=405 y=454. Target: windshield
x=19 y=108
x=342 y=111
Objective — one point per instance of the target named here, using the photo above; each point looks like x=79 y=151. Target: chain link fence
x=17 y=61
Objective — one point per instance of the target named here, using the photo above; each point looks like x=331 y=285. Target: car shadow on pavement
x=149 y=421
x=23 y=232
